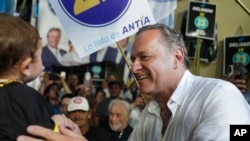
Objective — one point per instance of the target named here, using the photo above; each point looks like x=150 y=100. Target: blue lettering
x=101 y=41
x=136 y=24
x=114 y=35
x=124 y=29
x=131 y=26
x=88 y=48
x=146 y=20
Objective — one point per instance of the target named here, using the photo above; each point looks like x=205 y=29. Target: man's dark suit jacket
x=48 y=58
x=109 y=56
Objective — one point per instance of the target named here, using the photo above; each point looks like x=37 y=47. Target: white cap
x=78 y=103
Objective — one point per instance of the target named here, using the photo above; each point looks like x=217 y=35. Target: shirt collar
x=52 y=49
x=182 y=88
x=176 y=99
x=180 y=92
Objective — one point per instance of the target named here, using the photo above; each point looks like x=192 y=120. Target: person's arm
x=49 y=135
x=66 y=88
x=44 y=82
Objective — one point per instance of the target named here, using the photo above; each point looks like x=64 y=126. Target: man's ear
x=179 y=56
x=25 y=66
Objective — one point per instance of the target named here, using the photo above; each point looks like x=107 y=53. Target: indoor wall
x=231 y=20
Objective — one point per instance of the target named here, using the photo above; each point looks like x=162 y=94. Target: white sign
x=94 y=24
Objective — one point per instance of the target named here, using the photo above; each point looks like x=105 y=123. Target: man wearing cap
x=79 y=112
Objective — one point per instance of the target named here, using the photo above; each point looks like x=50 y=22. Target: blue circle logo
x=201 y=22
x=242 y=57
x=95 y=13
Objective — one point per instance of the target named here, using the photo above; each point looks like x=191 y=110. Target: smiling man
x=119 y=111
x=185 y=107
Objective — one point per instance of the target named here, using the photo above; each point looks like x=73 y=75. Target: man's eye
x=132 y=60
x=144 y=57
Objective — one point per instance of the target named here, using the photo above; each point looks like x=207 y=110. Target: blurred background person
x=64 y=102
x=137 y=106
x=115 y=88
x=119 y=128
x=242 y=84
x=110 y=77
x=51 y=53
x=79 y=112
x=51 y=94
x=49 y=78
x=73 y=82
x=86 y=94
x=99 y=97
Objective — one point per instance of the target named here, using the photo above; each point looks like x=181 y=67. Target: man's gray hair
x=125 y=104
x=54 y=29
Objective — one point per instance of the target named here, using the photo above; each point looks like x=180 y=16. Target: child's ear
x=25 y=66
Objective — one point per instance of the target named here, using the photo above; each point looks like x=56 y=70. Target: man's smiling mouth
x=142 y=77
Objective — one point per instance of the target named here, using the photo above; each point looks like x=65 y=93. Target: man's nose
x=136 y=65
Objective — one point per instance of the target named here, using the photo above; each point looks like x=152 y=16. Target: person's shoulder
x=29 y=89
x=107 y=100
x=223 y=83
x=45 y=48
x=129 y=128
x=247 y=96
x=103 y=103
x=127 y=131
x=206 y=81
x=23 y=92
x=20 y=86
x=111 y=49
x=103 y=135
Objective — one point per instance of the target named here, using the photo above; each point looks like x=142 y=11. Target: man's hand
x=239 y=83
x=62 y=120
x=49 y=135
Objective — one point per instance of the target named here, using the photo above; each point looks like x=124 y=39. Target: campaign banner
x=201 y=20
x=236 y=50
x=94 y=24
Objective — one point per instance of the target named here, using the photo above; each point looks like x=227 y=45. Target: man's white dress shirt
x=202 y=110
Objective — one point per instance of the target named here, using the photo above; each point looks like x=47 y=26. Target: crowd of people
x=171 y=103
x=100 y=116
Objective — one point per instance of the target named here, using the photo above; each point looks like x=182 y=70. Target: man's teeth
x=142 y=77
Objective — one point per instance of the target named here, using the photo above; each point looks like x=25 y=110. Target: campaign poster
x=236 y=49
x=201 y=20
